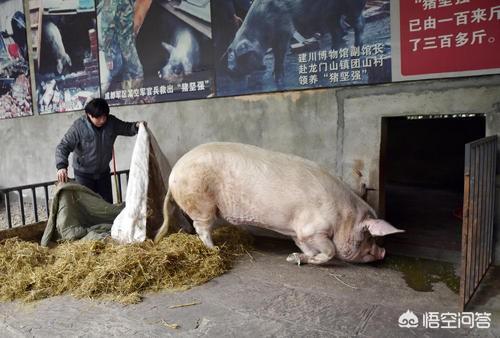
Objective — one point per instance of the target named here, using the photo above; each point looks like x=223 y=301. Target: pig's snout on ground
x=379 y=253
x=376 y=254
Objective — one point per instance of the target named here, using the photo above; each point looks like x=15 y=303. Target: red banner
x=439 y=36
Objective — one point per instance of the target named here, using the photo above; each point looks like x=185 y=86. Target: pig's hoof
x=294 y=258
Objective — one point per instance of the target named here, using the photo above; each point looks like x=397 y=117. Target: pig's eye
x=356 y=245
x=367 y=236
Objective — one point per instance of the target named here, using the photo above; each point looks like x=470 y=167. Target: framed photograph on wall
x=155 y=51
x=65 y=54
x=265 y=46
x=15 y=84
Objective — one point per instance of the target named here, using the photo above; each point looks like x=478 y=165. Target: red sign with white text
x=439 y=36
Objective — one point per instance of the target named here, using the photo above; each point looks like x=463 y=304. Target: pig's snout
x=178 y=69
x=244 y=57
x=244 y=64
x=233 y=69
x=377 y=252
x=250 y=61
x=381 y=254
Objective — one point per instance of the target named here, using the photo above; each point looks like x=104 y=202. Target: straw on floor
x=110 y=271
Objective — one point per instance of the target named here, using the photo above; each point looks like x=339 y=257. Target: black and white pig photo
x=66 y=61
x=272 y=45
x=155 y=51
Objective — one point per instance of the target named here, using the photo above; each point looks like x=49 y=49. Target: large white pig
x=244 y=184
x=53 y=40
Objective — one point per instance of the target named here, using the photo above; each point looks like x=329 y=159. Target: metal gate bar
x=478 y=214
x=45 y=185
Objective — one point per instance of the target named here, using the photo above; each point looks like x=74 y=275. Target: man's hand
x=139 y=122
x=237 y=21
x=62 y=175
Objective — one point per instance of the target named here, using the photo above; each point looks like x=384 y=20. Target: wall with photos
x=159 y=51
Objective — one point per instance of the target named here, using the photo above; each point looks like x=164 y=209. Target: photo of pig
x=300 y=44
x=15 y=87
x=65 y=48
x=183 y=55
x=247 y=185
x=55 y=46
x=158 y=51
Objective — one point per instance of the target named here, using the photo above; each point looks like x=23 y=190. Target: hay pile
x=106 y=270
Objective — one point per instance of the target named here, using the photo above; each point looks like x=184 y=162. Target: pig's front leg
x=317 y=249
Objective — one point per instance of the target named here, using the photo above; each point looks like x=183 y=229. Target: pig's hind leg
x=317 y=249
x=201 y=209
x=204 y=229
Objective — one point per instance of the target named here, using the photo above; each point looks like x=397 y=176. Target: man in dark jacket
x=91 y=139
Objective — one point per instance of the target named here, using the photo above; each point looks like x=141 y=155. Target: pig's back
x=250 y=185
x=223 y=162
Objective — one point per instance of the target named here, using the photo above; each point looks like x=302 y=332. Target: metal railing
x=6 y=192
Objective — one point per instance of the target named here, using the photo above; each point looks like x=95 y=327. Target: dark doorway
x=422 y=181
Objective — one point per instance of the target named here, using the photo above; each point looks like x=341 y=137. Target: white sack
x=130 y=225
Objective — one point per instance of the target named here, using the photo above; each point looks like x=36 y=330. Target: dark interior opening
x=422 y=180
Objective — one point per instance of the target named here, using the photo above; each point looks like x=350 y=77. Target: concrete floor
x=263 y=296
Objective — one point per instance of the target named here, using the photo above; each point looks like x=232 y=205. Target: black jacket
x=92 y=146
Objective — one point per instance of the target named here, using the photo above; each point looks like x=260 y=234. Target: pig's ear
x=378 y=227
x=168 y=48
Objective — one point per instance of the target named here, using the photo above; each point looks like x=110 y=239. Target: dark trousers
x=101 y=185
